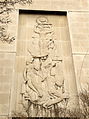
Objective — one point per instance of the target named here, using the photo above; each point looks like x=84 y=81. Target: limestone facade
x=47 y=59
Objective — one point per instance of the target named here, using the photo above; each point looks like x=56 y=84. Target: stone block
x=5 y=88
x=4 y=98
x=4 y=109
x=7 y=62
x=79 y=33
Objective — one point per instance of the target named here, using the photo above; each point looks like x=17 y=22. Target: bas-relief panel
x=42 y=84
x=41 y=75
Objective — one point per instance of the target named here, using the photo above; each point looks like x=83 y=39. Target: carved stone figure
x=43 y=37
x=43 y=75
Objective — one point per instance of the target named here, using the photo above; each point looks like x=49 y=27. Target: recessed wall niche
x=45 y=77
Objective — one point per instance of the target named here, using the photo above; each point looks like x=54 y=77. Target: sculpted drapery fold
x=43 y=75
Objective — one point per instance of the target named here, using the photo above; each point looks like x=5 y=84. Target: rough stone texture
x=12 y=56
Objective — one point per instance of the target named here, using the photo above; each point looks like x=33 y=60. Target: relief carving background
x=44 y=65
x=43 y=75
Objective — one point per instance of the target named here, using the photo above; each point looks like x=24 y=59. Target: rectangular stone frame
x=67 y=68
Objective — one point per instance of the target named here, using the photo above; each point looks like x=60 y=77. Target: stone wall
x=78 y=22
